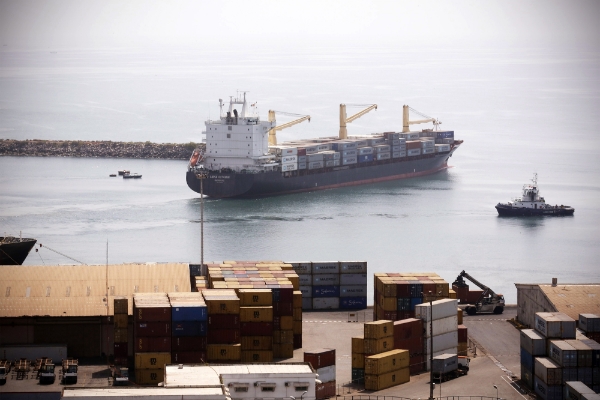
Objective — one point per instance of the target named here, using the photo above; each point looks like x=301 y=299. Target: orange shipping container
x=255 y=297
x=255 y=356
x=297 y=327
x=223 y=306
x=286 y=323
x=257 y=343
x=392 y=360
x=297 y=314
x=256 y=314
x=297 y=299
x=376 y=346
x=358 y=346
x=387 y=380
x=358 y=360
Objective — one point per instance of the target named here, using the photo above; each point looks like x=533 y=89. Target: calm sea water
x=519 y=112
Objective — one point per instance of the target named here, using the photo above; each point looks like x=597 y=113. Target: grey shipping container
x=315 y=165
x=353 y=267
x=382 y=148
x=314 y=157
x=330 y=163
x=326 y=279
x=34 y=351
x=353 y=279
x=399 y=154
x=302 y=159
x=365 y=150
x=353 y=291
x=306 y=303
x=533 y=342
x=444 y=363
x=413 y=152
x=305 y=279
x=349 y=153
x=569 y=374
x=326 y=267
x=577 y=391
x=585 y=375
x=584 y=353
x=563 y=353
x=306 y=291
x=325 y=303
x=349 y=160
x=301 y=268
x=589 y=322
x=384 y=156
x=546 y=392
x=302 y=165
x=555 y=325
x=428 y=151
x=401 y=147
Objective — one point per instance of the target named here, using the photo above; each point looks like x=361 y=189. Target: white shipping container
x=302 y=159
x=287 y=151
x=410 y=135
x=314 y=157
x=311 y=149
x=325 y=303
x=413 y=152
x=399 y=148
x=533 y=342
x=353 y=279
x=451 y=350
x=353 y=267
x=326 y=279
x=365 y=151
x=427 y=144
x=349 y=160
x=382 y=148
x=383 y=156
x=330 y=163
x=349 y=153
x=301 y=267
x=324 y=147
x=301 y=165
x=563 y=353
x=362 y=143
x=439 y=148
x=306 y=303
x=326 y=374
x=353 y=291
x=289 y=159
x=399 y=154
x=326 y=267
x=376 y=141
x=336 y=163
x=315 y=165
x=548 y=371
x=555 y=325
x=289 y=167
x=441 y=342
x=34 y=351
x=578 y=391
x=428 y=151
x=441 y=309
x=443 y=325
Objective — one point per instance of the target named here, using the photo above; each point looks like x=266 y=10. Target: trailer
x=449 y=366
x=4 y=370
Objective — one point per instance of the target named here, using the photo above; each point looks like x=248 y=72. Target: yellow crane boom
x=346 y=120
x=273 y=131
x=406 y=120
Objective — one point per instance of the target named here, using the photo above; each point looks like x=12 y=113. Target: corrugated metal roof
x=162 y=393
x=191 y=376
x=574 y=299
x=80 y=290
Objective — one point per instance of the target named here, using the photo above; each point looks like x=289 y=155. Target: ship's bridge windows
x=228 y=135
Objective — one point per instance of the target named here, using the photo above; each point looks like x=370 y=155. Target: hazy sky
x=102 y=23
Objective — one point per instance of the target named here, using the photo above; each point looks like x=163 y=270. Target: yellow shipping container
x=451 y=294
x=386 y=288
x=358 y=360
x=283 y=350
x=255 y=356
x=392 y=360
x=149 y=376
x=224 y=352
x=358 y=346
x=223 y=306
x=459 y=315
x=121 y=306
x=387 y=303
x=387 y=380
x=256 y=314
x=297 y=313
x=297 y=299
x=286 y=323
x=378 y=330
x=255 y=297
x=257 y=343
x=121 y=335
x=121 y=321
x=283 y=337
x=376 y=346
x=444 y=288
x=151 y=360
x=297 y=327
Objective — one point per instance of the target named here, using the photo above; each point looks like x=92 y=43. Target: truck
x=69 y=370
x=488 y=302
x=120 y=375
x=4 y=370
x=449 y=366
x=46 y=371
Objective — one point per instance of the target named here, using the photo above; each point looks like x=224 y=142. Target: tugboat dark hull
x=507 y=210
x=13 y=251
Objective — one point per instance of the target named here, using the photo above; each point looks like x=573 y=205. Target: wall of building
x=530 y=300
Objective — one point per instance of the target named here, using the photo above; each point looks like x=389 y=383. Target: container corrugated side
x=320 y=358
x=533 y=342
x=358 y=345
x=562 y=352
x=589 y=322
x=386 y=362
x=441 y=342
x=224 y=352
x=546 y=392
x=151 y=360
x=555 y=325
x=301 y=267
x=387 y=380
x=255 y=297
x=442 y=325
x=441 y=309
x=326 y=279
x=325 y=303
x=376 y=346
x=353 y=279
x=325 y=267
x=378 y=330
x=353 y=303
x=548 y=371
x=353 y=267
x=584 y=352
x=353 y=291
x=577 y=390
x=326 y=291
x=256 y=356
x=149 y=376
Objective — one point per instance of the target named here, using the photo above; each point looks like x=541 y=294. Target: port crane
x=489 y=301
x=273 y=131
x=406 y=119
x=344 y=119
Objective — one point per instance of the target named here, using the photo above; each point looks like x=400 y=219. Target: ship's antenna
x=534 y=180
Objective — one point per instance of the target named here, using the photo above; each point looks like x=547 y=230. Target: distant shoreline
x=97 y=149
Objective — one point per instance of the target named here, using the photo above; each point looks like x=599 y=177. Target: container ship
x=14 y=250
x=242 y=158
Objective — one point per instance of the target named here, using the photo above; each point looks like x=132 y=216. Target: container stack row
x=189 y=328
x=283 y=323
x=397 y=294
x=378 y=337
x=251 y=275
x=440 y=321
x=408 y=335
x=590 y=325
x=332 y=285
x=223 y=336
x=387 y=369
x=463 y=339
x=256 y=311
x=323 y=362
x=121 y=327
x=551 y=355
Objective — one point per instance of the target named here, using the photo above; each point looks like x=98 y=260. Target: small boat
x=531 y=203
x=14 y=250
x=112 y=175
x=132 y=176
x=123 y=172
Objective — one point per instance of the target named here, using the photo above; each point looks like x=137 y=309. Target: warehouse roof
x=80 y=290
x=571 y=299
x=176 y=393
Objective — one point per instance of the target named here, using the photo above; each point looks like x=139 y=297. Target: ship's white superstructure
x=531 y=196
x=238 y=140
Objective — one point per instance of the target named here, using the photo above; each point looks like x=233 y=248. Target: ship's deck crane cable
x=58 y=252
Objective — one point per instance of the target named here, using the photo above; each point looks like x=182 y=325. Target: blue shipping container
x=414 y=301
x=365 y=158
x=326 y=291
x=186 y=328
x=353 y=303
x=445 y=135
x=527 y=360
x=197 y=313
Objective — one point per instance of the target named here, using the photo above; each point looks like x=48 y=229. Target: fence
x=367 y=397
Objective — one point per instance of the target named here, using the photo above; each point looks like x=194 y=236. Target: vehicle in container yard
x=69 y=370
x=120 y=375
x=241 y=157
x=488 y=302
x=14 y=250
x=532 y=204
x=46 y=372
x=449 y=366
x=4 y=370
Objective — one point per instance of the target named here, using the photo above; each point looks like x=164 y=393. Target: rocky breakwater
x=106 y=149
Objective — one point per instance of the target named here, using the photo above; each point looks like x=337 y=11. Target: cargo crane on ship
x=344 y=119
x=488 y=302
x=406 y=122
x=273 y=131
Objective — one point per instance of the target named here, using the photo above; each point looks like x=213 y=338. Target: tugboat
x=531 y=203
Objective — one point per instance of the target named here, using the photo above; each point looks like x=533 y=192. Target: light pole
x=496 y=387
x=303 y=393
x=201 y=174
x=431 y=384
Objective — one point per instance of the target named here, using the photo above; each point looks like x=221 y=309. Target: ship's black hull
x=232 y=184
x=13 y=251
x=509 y=211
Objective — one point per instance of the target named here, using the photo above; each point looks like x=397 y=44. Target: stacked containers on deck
x=397 y=144
x=256 y=307
x=358 y=359
x=387 y=369
x=533 y=344
x=189 y=328
x=297 y=304
x=323 y=361
x=152 y=336
x=201 y=283
x=223 y=338
x=408 y=335
x=397 y=294
x=121 y=323
x=443 y=327
x=427 y=145
x=590 y=325
x=283 y=322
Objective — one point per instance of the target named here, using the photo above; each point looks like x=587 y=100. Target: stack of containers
x=548 y=379
x=408 y=335
x=444 y=137
x=382 y=152
x=121 y=323
x=256 y=305
x=283 y=322
x=590 y=325
x=579 y=391
x=297 y=318
x=323 y=361
x=595 y=350
x=428 y=145
x=251 y=275
x=441 y=148
x=189 y=328
x=358 y=359
x=410 y=135
x=444 y=327
x=152 y=336
x=387 y=369
x=533 y=344
x=397 y=143
x=223 y=338
x=413 y=148
x=397 y=294
x=201 y=283
x=463 y=337
x=332 y=285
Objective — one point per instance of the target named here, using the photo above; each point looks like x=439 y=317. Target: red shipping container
x=413 y=144
x=320 y=358
x=462 y=334
x=429 y=287
x=223 y=336
x=402 y=289
x=461 y=293
x=188 y=357
x=121 y=349
x=325 y=390
x=416 y=364
x=152 y=314
x=301 y=151
x=256 y=328
x=151 y=329
x=473 y=296
x=188 y=343
x=223 y=321
x=286 y=295
x=283 y=309
x=152 y=344
x=298 y=341
x=408 y=328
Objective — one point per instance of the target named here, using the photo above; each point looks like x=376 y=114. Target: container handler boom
x=489 y=301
